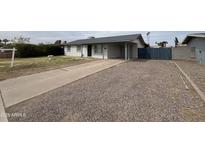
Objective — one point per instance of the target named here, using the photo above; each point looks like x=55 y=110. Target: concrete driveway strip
x=22 y=88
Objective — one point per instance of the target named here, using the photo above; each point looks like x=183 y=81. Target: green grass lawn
x=26 y=66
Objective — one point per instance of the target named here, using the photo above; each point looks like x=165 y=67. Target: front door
x=89 y=50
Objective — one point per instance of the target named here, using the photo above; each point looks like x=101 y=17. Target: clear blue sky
x=51 y=36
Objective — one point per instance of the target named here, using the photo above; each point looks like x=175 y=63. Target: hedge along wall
x=31 y=50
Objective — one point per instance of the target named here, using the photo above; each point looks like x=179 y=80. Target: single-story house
x=125 y=47
x=197 y=41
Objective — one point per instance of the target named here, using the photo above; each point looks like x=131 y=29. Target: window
x=98 y=48
x=68 y=48
x=94 y=48
x=79 y=48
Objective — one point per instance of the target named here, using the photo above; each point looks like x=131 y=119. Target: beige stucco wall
x=66 y=51
x=139 y=43
x=183 y=53
x=134 y=51
x=199 y=43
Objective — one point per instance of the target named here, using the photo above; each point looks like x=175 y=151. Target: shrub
x=31 y=50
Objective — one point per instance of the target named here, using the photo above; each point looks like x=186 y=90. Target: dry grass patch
x=27 y=66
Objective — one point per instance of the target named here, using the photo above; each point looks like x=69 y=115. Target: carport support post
x=126 y=52
x=102 y=51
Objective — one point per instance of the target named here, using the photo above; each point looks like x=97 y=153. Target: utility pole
x=148 y=38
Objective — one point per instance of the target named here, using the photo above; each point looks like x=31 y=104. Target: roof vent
x=91 y=37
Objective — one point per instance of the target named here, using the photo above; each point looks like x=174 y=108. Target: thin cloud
x=51 y=36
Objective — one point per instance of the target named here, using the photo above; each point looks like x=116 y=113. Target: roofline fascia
x=100 y=43
x=191 y=36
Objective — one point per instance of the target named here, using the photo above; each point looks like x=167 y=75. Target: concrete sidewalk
x=22 y=88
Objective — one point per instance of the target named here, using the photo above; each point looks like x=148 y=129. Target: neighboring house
x=197 y=41
x=125 y=47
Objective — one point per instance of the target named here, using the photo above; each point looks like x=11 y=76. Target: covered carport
x=131 y=51
x=123 y=50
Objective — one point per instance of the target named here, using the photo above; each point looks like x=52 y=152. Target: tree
x=176 y=41
x=64 y=42
x=20 y=40
x=58 y=42
x=162 y=44
x=1 y=43
x=5 y=41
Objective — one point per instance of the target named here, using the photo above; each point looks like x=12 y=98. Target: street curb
x=196 y=88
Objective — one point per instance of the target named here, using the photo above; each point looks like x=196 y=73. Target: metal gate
x=155 y=53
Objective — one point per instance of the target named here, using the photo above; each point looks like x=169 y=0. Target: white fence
x=13 y=54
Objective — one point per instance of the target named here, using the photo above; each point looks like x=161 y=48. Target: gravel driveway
x=133 y=91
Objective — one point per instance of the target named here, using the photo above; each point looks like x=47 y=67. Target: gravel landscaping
x=195 y=71
x=133 y=91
